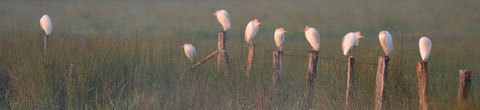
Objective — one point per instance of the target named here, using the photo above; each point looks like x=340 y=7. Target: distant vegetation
x=127 y=55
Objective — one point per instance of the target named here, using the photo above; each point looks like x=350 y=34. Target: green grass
x=127 y=55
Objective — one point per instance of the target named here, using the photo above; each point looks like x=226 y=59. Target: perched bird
x=223 y=18
x=279 y=37
x=386 y=41
x=190 y=51
x=425 y=46
x=251 y=30
x=350 y=41
x=313 y=37
x=46 y=24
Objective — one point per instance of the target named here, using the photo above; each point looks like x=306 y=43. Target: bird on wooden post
x=425 y=46
x=386 y=41
x=250 y=33
x=46 y=24
x=223 y=18
x=190 y=51
x=313 y=37
x=251 y=30
x=382 y=70
x=350 y=41
x=279 y=38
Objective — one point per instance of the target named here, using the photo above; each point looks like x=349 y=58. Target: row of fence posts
x=313 y=57
x=381 y=79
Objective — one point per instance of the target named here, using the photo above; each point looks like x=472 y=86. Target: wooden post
x=68 y=90
x=350 y=82
x=422 y=74
x=45 y=44
x=251 y=52
x=61 y=87
x=222 y=58
x=463 y=87
x=311 y=76
x=70 y=70
x=205 y=59
x=381 y=77
x=277 y=68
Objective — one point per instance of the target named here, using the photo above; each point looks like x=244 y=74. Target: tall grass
x=127 y=55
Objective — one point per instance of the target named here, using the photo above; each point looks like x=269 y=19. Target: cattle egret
x=46 y=24
x=386 y=41
x=350 y=41
x=223 y=18
x=313 y=37
x=251 y=30
x=425 y=46
x=190 y=51
x=279 y=37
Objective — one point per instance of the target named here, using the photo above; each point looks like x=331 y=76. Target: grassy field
x=126 y=54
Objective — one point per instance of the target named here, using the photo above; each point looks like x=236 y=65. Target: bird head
x=185 y=45
x=256 y=22
x=281 y=30
x=306 y=28
x=216 y=12
x=359 y=34
x=383 y=34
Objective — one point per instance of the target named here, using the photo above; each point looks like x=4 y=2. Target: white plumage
x=313 y=37
x=251 y=30
x=223 y=18
x=46 y=24
x=190 y=51
x=350 y=41
x=425 y=46
x=386 y=41
x=279 y=37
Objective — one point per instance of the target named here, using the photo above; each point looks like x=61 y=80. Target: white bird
x=350 y=41
x=425 y=46
x=313 y=37
x=190 y=51
x=279 y=37
x=386 y=41
x=251 y=30
x=46 y=24
x=223 y=18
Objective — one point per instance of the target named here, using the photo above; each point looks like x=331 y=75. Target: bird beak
x=284 y=31
x=361 y=36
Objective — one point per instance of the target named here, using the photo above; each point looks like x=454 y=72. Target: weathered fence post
x=251 y=52
x=277 y=68
x=70 y=70
x=45 y=44
x=203 y=60
x=381 y=77
x=61 y=87
x=350 y=82
x=463 y=87
x=311 y=76
x=68 y=84
x=422 y=73
x=222 y=58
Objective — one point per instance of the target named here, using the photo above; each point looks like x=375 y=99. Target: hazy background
x=126 y=55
